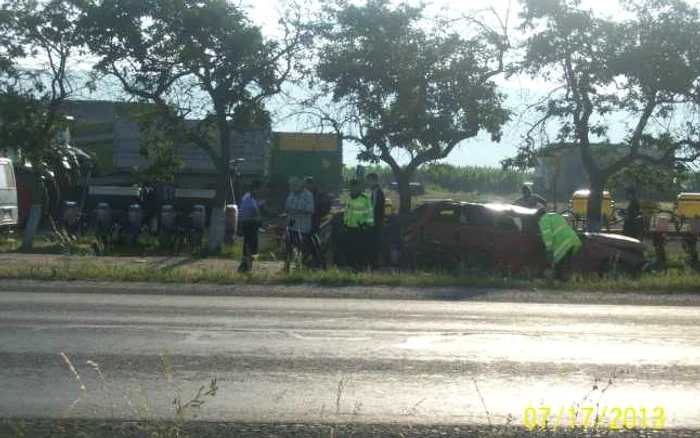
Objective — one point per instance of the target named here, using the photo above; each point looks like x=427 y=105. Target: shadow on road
x=128 y=429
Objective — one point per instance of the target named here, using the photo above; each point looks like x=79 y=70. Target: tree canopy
x=398 y=86
x=39 y=46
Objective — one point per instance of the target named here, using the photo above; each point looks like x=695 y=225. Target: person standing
x=561 y=242
x=299 y=207
x=376 y=197
x=633 y=225
x=358 y=219
x=529 y=199
x=251 y=221
x=322 y=204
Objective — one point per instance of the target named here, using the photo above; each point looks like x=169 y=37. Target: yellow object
x=688 y=205
x=308 y=142
x=389 y=209
x=579 y=203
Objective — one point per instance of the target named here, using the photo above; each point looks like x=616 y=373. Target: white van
x=9 y=213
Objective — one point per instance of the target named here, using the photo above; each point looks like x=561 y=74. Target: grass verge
x=92 y=269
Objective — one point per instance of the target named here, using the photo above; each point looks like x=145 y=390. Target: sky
x=520 y=91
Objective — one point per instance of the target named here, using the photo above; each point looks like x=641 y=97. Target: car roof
x=493 y=207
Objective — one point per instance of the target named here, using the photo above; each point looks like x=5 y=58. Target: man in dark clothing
x=529 y=199
x=322 y=203
x=377 y=199
x=322 y=206
x=633 y=216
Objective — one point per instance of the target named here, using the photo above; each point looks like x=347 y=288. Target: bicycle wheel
x=316 y=259
x=291 y=251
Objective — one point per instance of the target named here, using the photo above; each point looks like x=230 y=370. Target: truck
x=9 y=212
x=108 y=131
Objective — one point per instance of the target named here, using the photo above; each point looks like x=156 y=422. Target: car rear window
x=477 y=216
x=449 y=214
x=7 y=180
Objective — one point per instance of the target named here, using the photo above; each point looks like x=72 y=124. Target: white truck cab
x=9 y=213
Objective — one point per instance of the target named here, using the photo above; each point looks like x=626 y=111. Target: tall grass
x=669 y=281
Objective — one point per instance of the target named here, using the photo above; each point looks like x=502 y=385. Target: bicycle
x=301 y=250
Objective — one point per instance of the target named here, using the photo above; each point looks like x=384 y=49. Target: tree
x=642 y=69
x=194 y=58
x=31 y=32
x=398 y=87
x=39 y=45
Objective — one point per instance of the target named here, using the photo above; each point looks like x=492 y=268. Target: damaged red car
x=505 y=237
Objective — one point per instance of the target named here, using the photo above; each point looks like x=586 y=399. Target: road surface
x=336 y=360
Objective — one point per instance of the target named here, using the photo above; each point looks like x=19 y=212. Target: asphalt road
x=339 y=361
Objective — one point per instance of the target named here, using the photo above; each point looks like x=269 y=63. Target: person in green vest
x=358 y=218
x=560 y=240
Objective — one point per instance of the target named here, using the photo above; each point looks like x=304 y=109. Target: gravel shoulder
x=360 y=292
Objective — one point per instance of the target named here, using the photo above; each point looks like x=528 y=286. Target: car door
x=515 y=245
x=476 y=228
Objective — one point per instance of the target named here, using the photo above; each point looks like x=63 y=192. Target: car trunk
x=615 y=241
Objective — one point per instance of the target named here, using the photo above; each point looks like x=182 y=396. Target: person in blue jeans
x=251 y=221
x=299 y=208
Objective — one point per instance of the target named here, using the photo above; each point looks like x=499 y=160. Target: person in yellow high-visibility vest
x=358 y=218
x=561 y=242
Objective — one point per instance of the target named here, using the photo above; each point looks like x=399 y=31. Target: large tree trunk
x=217 y=225
x=403 y=180
x=595 y=204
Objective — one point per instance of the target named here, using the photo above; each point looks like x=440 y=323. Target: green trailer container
x=300 y=154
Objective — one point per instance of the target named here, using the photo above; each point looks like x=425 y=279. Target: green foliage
x=29 y=99
x=471 y=179
x=474 y=179
x=408 y=88
x=158 y=144
x=690 y=181
x=682 y=279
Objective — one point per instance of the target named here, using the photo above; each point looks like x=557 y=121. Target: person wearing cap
x=358 y=218
x=633 y=225
x=299 y=208
x=251 y=221
x=561 y=242
x=529 y=199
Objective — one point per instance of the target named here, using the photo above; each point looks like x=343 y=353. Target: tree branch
x=635 y=140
